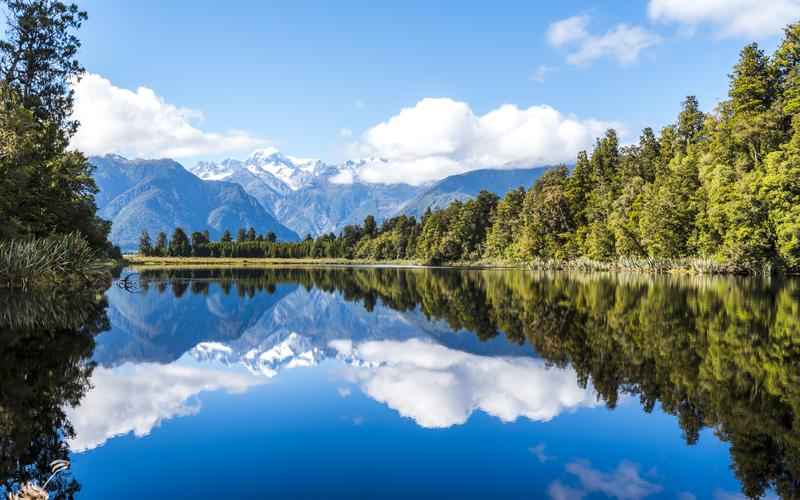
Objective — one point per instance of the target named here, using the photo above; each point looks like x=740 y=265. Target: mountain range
x=160 y=195
x=270 y=191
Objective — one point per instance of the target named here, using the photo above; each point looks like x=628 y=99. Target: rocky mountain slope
x=159 y=195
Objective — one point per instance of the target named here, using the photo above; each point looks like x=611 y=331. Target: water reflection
x=437 y=347
x=439 y=387
x=137 y=398
x=720 y=353
x=46 y=340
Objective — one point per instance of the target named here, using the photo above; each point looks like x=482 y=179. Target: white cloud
x=438 y=137
x=541 y=72
x=572 y=29
x=440 y=387
x=141 y=124
x=745 y=18
x=137 y=398
x=623 y=43
x=345 y=132
x=623 y=483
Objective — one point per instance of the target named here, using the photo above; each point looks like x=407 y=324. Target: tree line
x=722 y=186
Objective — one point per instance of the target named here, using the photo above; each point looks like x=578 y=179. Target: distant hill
x=468 y=185
x=159 y=195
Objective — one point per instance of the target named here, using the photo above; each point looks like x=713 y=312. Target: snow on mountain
x=280 y=172
x=274 y=353
x=312 y=197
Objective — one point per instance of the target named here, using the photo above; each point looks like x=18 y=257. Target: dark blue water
x=420 y=384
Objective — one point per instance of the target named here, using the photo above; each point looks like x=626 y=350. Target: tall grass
x=24 y=263
x=651 y=265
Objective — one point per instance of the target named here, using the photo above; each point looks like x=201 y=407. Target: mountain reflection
x=46 y=341
x=715 y=352
x=435 y=346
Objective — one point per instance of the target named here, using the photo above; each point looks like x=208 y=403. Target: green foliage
x=179 y=245
x=161 y=244
x=26 y=263
x=45 y=189
x=145 y=245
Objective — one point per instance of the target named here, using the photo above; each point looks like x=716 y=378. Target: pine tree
x=240 y=235
x=690 y=122
x=226 y=236
x=145 y=245
x=161 y=244
x=251 y=234
x=179 y=244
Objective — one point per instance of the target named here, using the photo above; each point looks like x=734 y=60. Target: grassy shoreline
x=695 y=266
x=141 y=261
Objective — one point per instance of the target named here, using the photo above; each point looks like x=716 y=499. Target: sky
x=434 y=87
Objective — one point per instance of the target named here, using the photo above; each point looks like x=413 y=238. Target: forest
x=722 y=188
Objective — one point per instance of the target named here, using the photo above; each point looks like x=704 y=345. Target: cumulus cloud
x=141 y=124
x=438 y=137
x=745 y=18
x=623 y=483
x=137 y=398
x=623 y=43
x=441 y=387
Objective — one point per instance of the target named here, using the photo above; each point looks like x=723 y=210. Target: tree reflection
x=719 y=353
x=46 y=341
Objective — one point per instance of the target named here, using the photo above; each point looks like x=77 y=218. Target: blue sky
x=313 y=78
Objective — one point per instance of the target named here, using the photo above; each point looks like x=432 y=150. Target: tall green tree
x=145 y=245
x=47 y=189
x=161 y=247
x=179 y=244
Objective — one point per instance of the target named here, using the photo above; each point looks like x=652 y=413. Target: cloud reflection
x=623 y=483
x=137 y=398
x=440 y=387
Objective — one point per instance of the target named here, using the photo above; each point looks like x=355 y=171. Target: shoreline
x=645 y=266
x=175 y=262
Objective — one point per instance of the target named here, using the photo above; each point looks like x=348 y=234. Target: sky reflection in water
x=389 y=384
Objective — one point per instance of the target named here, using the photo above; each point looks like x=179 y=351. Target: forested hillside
x=720 y=187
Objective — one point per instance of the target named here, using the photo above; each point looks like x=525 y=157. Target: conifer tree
x=145 y=245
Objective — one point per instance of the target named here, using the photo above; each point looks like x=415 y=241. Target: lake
x=388 y=383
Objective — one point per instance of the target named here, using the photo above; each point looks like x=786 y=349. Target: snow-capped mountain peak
x=281 y=172
x=274 y=353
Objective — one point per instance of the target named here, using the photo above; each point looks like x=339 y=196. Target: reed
x=25 y=263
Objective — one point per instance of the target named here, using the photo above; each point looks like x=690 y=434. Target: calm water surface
x=398 y=383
